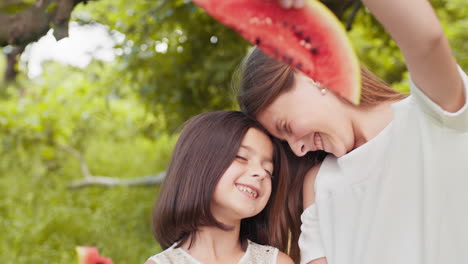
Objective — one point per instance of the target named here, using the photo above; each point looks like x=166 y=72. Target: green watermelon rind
x=338 y=26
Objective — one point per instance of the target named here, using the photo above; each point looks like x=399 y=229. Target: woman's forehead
x=270 y=120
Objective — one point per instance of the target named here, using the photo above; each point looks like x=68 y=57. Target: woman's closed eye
x=286 y=128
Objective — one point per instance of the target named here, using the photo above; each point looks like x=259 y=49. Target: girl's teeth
x=247 y=190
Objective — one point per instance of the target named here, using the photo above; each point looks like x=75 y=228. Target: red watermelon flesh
x=311 y=39
x=90 y=255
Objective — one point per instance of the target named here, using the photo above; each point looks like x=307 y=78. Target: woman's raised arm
x=417 y=31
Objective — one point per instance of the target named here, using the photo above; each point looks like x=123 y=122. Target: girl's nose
x=257 y=171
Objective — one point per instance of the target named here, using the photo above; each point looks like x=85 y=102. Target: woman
x=391 y=189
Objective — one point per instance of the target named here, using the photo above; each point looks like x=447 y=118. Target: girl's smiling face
x=309 y=120
x=244 y=189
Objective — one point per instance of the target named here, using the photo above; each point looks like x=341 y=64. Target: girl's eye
x=240 y=158
x=269 y=170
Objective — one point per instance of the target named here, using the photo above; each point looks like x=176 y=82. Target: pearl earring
x=323 y=91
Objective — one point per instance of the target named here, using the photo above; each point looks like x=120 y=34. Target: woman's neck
x=370 y=121
x=214 y=245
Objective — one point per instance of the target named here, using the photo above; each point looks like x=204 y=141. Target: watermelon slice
x=90 y=255
x=311 y=39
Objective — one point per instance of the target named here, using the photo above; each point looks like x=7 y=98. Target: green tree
x=175 y=53
x=175 y=56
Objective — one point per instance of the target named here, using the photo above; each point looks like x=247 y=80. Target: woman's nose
x=298 y=147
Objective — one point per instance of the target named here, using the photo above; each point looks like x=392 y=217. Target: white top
x=400 y=198
x=255 y=254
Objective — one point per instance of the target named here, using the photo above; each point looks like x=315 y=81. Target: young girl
x=393 y=187
x=223 y=195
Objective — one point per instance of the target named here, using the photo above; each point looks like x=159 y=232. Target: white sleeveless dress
x=255 y=254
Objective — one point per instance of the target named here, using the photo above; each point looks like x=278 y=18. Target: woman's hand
x=292 y=3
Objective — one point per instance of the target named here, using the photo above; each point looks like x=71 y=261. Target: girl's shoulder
x=283 y=258
x=262 y=254
x=172 y=255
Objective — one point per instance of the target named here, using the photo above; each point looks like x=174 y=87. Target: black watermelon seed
x=257 y=41
x=307 y=39
x=314 y=51
x=299 y=34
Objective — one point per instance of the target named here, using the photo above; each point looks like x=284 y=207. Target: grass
x=42 y=220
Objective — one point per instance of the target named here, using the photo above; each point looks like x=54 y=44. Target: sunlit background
x=109 y=101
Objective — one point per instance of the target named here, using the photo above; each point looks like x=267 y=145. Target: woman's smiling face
x=309 y=120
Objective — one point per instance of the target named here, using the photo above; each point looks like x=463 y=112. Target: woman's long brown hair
x=260 y=80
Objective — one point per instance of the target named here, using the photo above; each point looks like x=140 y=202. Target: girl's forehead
x=256 y=141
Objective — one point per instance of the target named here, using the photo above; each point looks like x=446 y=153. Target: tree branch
x=352 y=16
x=338 y=6
x=21 y=24
x=12 y=60
x=111 y=182
x=79 y=157
x=92 y=180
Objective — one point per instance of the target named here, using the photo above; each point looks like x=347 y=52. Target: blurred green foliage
x=124 y=117
x=41 y=219
x=380 y=54
x=14 y=6
x=181 y=60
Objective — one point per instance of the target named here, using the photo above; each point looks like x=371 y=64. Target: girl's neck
x=370 y=121
x=214 y=245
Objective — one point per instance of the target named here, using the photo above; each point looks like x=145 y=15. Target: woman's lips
x=318 y=142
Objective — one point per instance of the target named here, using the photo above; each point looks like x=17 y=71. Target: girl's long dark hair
x=206 y=147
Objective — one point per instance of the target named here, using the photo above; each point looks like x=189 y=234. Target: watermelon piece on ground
x=311 y=39
x=90 y=255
